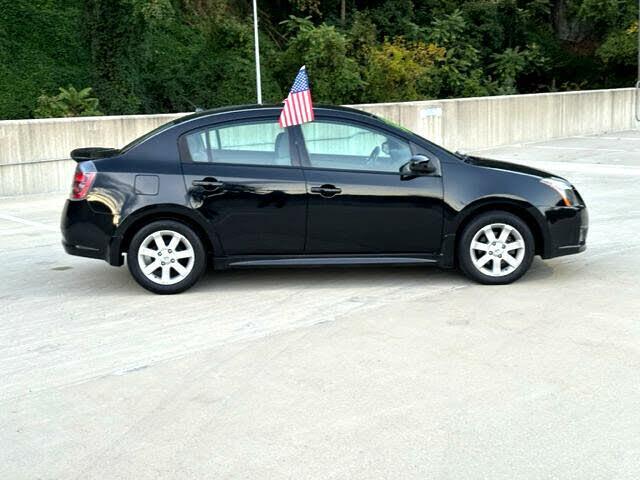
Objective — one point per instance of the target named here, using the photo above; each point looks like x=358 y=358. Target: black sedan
x=231 y=187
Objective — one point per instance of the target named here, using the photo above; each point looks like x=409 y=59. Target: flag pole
x=637 y=92
x=257 y=48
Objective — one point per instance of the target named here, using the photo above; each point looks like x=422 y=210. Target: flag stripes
x=298 y=106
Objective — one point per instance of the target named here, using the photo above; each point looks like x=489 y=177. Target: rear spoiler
x=93 y=153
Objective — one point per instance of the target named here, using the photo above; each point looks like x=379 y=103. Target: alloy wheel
x=166 y=257
x=497 y=249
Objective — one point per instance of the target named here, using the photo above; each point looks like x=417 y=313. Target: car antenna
x=195 y=107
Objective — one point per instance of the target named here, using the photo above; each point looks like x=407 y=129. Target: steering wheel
x=373 y=156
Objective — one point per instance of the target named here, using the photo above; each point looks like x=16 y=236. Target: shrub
x=400 y=71
x=68 y=103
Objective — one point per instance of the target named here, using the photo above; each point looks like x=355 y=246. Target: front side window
x=258 y=143
x=347 y=146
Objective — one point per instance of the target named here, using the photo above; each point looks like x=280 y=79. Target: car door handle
x=326 y=190
x=208 y=184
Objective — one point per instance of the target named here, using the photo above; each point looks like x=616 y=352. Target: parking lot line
x=31 y=223
x=554 y=147
x=608 y=138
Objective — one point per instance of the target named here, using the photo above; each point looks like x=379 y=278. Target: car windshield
x=146 y=136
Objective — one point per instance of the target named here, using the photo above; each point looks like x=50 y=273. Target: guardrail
x=34 y=153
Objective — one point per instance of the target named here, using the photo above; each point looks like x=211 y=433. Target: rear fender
x=133 y=222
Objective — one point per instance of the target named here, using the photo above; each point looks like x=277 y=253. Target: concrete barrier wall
x=34 y=153
x=483 y=122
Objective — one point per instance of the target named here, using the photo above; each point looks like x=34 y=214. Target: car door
x=246 y=180
x=357 y=200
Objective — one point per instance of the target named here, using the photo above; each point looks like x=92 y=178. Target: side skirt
x=253 y=261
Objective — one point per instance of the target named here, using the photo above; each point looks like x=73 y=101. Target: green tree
x=512 y=63
x=42 y=46
x=335 y=78
x=114 y=30
x=460 y=73
x=148 y=56
x=402 y=71
x=619 y=55
x=68 y=103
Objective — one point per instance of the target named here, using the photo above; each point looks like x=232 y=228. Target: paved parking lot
x=339 y=373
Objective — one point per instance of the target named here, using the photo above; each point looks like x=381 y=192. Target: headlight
x=564 y=189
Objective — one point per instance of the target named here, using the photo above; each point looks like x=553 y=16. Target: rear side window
x=256 y=143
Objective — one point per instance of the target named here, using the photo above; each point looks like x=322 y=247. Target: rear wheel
x=496 y=248
x=166 y=257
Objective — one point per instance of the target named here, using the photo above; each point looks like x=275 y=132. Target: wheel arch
x=523 y=210
x=132 y=223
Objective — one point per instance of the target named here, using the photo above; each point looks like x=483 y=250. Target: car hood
x=509 y=167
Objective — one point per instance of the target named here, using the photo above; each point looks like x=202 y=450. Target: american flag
x=298 y=107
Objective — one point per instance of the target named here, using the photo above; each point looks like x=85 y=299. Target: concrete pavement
x=338 y=373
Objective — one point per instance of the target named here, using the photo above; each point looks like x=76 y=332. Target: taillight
x=82 y=182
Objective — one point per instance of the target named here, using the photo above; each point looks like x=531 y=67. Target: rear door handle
x=205 y=188
x=327 y=190
x=208 y=183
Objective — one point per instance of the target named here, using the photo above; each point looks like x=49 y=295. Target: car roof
x=184 y=124
x=198 y=119
x=246 y=108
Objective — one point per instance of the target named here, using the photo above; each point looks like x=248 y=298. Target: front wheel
x=166 y=257
x=496 y=248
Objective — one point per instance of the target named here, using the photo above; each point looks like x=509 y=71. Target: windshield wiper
x=463 y=156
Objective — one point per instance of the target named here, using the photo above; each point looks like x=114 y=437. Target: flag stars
x=298 y=107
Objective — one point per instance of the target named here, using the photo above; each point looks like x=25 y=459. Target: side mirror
x=418 y=165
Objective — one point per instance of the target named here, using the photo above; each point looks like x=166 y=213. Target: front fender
x=457 y=221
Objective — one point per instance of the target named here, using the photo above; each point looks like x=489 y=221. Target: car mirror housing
x=418 y=165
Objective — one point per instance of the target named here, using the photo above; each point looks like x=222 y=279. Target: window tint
x=352 y=147
x=259 y=143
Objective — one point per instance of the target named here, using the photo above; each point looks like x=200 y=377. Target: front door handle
x=327 y=190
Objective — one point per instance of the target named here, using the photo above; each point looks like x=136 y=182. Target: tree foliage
x=68 y=103
x=148 y=56
x=400 y=71
x=336 y=77
x=40 y=50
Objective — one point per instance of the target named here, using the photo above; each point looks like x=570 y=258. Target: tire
x=180 y=261
x=487 y=233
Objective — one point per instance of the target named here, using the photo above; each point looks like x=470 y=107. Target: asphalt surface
x=339 y=373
